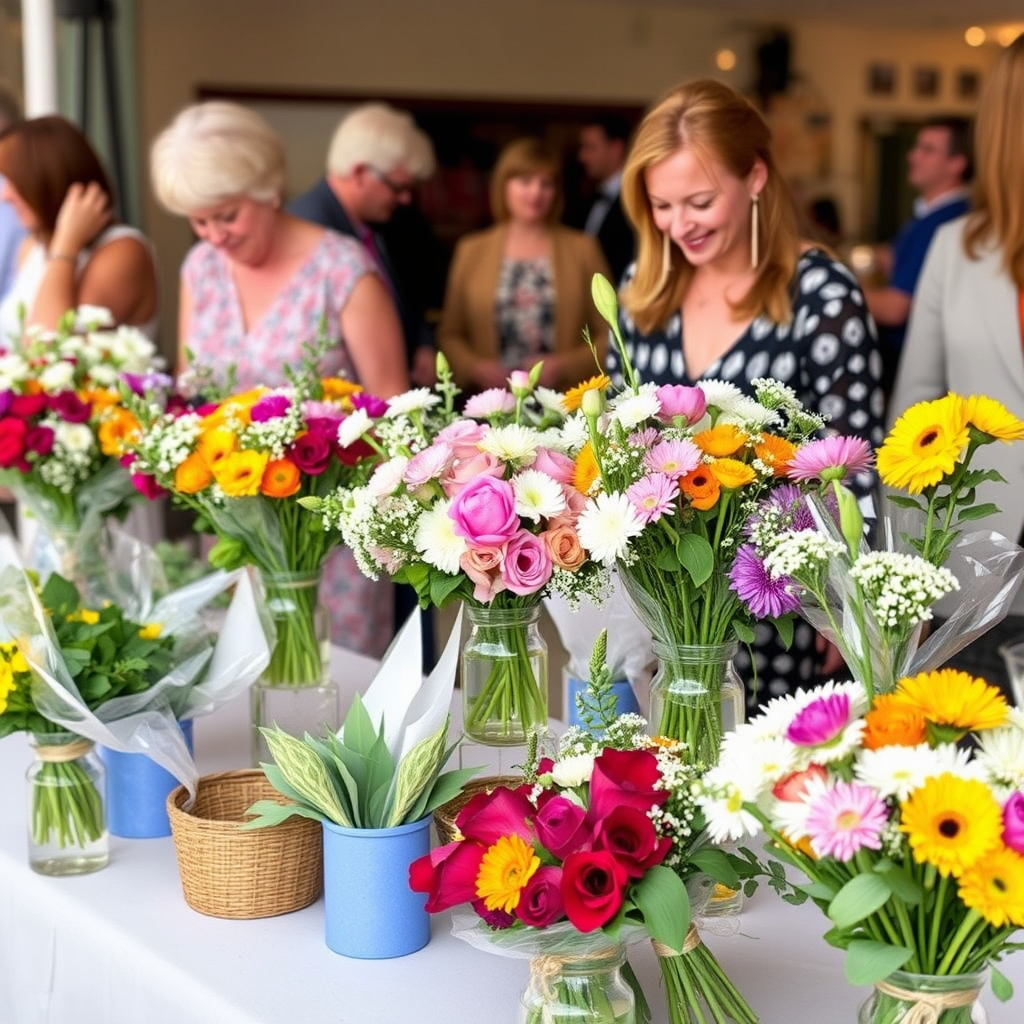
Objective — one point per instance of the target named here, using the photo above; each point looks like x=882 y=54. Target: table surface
x=121 y=946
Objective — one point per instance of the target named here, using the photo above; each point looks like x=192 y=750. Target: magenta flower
x=312 y=452
x=680 y=404
x=484 y=511
x=1013 y=822
x=270 y=407
x=764 y=596
x=373 y=406
x=70 y=408
x=540 y=902
x=821 y=722
x=653 y=496
x=527 y=565
x=674 y=458
x=39 y=440
x=147 y=486
x=847 y=818
x=5 y=401
x=27 y=406
x=830 y=458
x=492 y=402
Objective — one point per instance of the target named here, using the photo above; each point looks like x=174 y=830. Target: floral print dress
x=361 y=610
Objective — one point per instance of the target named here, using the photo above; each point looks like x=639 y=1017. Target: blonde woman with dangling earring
x=724 y=289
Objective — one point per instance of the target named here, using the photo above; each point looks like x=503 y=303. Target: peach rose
x=564 y=546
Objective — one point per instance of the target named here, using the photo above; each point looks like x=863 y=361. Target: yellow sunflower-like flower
x=725 y=439
x=505 y=869
x=240 y=473
x=951 y=823
x=215 y=444
x=586 y=470
x=992 y=417
x=732 y=474
x=994 y=887
x=924 y=445
x=953 y=702
x=573 y=398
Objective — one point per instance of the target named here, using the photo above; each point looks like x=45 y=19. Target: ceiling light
x=725 y=60
x=974 y=36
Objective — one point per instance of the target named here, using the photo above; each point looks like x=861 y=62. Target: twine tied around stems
x=927 y=1007
x=56 y=753
x=690 y=943
x=545 y=968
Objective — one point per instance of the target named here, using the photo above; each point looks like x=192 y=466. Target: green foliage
x=597 y=704
x=661 y=898
x=859 y=898
x=868 y=962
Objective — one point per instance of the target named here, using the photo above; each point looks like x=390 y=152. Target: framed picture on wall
x=926 y=83
x=968 y=84
x=881 y=79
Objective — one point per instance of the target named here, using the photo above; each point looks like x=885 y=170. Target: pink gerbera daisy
x=673 y=458
x=653 y=496
x=492 y=402
x=821 y=722
x=646 y=438
x=844 y=819
x=428 y=464
x=830 y=458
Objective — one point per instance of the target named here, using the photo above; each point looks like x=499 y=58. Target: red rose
x=540 y=902
x=311 y=452
x=12 y=441
x=630 y=836
x=70 y=408
x=27 y=406
x=593 y=887
x=39 y=440
x=353 y=453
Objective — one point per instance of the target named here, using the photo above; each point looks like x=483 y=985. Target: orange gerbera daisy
x=281 y=479
x=776 y=452
x=725 y=439
x=573 y=398
x=893 y=722
x=701 y=487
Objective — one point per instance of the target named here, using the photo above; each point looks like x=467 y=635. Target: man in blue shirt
x=939 y=168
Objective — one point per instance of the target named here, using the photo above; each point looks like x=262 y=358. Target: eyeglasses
x=396 y=187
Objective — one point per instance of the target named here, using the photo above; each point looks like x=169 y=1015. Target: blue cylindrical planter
x=369 y=910
x=624 y=696
x=137 y=790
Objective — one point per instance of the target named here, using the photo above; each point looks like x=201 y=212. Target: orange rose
x=732 y=474
x=701 y=487
x=193 y=475
x=281 y=479
x=725 y=439
x=776 y=452
x=892 y=722
x=564 y=546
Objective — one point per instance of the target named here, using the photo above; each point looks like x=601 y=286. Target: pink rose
x=527 y=565
x=557 y=466
x=1013 y=822
x=484 y=512
x=467 y=464
x=560 y=826
x=540 y=902
x=678 y=400
x=462 y=432
x=483 y=566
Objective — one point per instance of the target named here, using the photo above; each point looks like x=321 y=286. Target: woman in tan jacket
x=519 y=292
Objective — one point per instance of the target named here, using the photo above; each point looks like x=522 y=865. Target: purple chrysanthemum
x=821 y=722
x=844 y=819
x=830 y=458
x=764 y=596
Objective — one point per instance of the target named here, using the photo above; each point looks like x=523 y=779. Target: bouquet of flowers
x=480 y=506
x=62 y=423
x=911 y=841
x=873 y=603
x=672 y=474
x=601 y=846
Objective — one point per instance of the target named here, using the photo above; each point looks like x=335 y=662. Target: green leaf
x=869 y=962
x=744 y=631
x=666 y=561
x=270 y=812
x=818 y=891
x=859 y=898
x=717 y=864
x=418 y=768
x=695 y=555
x=901 y=502
x=306 y=773
x=442 y=586
x=977 y=512
x=1002 y=987
x=445 y=787
x=901 y=883
x=784 y=627
x=661 y=897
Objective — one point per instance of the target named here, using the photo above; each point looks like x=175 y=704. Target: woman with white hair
x=259 y=283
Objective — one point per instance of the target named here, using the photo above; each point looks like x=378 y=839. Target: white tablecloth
x=121 y=946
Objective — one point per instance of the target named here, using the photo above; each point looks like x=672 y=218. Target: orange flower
x=725 y=439
x=241 y=473
x=237 y=407
x=732 y=474
x=337 y=389
x=281 y=479
x=193 y=475
x=564 y=546
x=99 y=398
x=216 y=444
x=701 y=487
x=892 y=722
x=117 y=427
x=776 y=452
x=586 y=471
x=574 y=396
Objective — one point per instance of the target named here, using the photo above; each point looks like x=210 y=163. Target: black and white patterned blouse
x=828 y=354
x=524 y=309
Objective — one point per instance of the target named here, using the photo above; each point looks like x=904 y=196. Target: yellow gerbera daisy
x=240 y=473
x=951 y=823
x=586 y=470
x=953 y=702
x=505 y=869
x=216 y=444
x=993 y=418
x=573 y=398
x=725 y=439
x=994 y=887
x=924 y=444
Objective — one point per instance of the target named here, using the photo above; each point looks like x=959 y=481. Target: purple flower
x=496 y=919
x=5 y=402
x=326 y=425
x=680 y=403
x=270 y=407
x=847 y=818
x=140 y=383
x=830 y=458
x=70 y=408
x=373 y=406
x=764 y=596
x=820 y=723
x=1013 y=822
x=312 y=452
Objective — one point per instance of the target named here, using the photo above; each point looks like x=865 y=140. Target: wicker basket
x=445 y=815
x=228 y=872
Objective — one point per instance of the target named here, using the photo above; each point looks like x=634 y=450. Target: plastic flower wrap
x=911 y=841
x=123 y=675
x=62 y=424
x=873 y=603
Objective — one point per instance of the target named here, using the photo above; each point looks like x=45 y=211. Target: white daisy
x=103 y=375
x=437 y=540
x=415 y=400
x=353 y=426
x=574 y=433
x=724 y=796
x=606 y=526
x=721 y=394
x=387 y=477
x=573 y=771
x=73 y=437
x=1001 y=755
x=514 y=444
x=538 y=496
x=630 y=410
x=57 y=377
x=896 y=771
x=771 y=758
x=752 y=416
x=550 y=400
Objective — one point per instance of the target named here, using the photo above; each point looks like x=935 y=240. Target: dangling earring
x=754 y=227
x=666 y=261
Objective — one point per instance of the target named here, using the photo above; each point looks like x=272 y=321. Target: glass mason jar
x=504 y=675
x=587 y=989
x=942 y=999
x=67 y=833
x=295 y=690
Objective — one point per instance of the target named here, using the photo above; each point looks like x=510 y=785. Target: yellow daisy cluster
x=12 y=664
